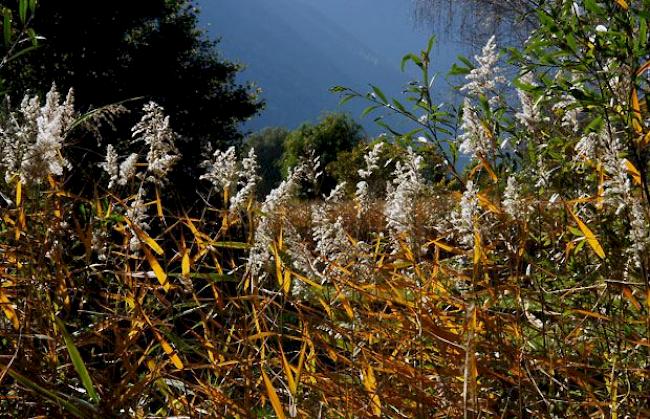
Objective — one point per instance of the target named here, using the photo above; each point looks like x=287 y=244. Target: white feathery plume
x=155 y=131
x=530 y=115
x=247 y=181
x=222 y=170
x=32 y=142
x=464 y=217
x=128 y=169
x=111 y=165
x=484 y=78
x=361 y=196
x=475 y=140
x=259 y=253
x=401 y=197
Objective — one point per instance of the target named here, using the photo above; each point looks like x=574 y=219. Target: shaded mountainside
x=296 y=49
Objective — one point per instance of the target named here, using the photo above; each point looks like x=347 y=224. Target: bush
x=334 y=134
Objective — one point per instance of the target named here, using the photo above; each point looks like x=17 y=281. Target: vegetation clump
x=515 y=286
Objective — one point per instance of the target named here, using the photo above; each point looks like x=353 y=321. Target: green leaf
x=379 y=93
x=21 y=53
x=93 y=112
x=6 y=26
x=595 y=125
x=231 y=245
x=592 y=6
x=411 y=57
x=22 y=11
x=384 y=125
x=338 y=89
x=466 y=61
x=456 y=70
x=346 y=99
x=32 y=6
x=74 y=410
x=399 y=106
x=643 y=33
x=571 y=42
x=369 y=109
x=78 y=362
x=430 y=44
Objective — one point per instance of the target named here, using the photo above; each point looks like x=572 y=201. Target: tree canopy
x=334 y=134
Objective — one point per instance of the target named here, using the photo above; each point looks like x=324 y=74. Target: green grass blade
x=74 y=410
x=78 y=363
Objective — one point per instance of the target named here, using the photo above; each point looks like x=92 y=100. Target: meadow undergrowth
x=517 y=287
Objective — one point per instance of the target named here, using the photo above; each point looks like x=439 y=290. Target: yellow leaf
x=22 y=222
x=444 y=246
x=278 y=267
x=293 y=386
x=486 y=204
x=9 y=310
x=347 y=307
x=307 y=281
x=19 y=193
x=636 y=175
x=627 y=293
x=636 y=113
x=489 y=170
x=170 y=352
x=185 y=264
x=601 y=186
x=273 y=396
x=157 y=269
x=370 y=383
x=646 y=139
x=623 y=4
x=477 y=247
x=301 y=360
x=286 y=285
x=326 y=306
x=158 y=203
x=589 y=235
x=144 y=237
x=591 y=314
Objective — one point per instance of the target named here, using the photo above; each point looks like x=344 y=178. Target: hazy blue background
x=295 y=50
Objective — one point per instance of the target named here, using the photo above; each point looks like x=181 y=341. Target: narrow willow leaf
x=159 y=207
x=293 y=386
x=273 y=396
x=71 y=408
x=9 y=310
x=370 y=383
x=6 y=26
x=636 y=113
x=22 y=11
x=173 y=356
x=377 y=91
x=477 y=247
x=185 y=264
x=636 y=175
x=144 y=237
x=157 y=269
x=19 y=193
x=629 y=296
x=286 y=283
x=78 y=362
x=231 y=245
x=589 y=235
x=591 y=314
